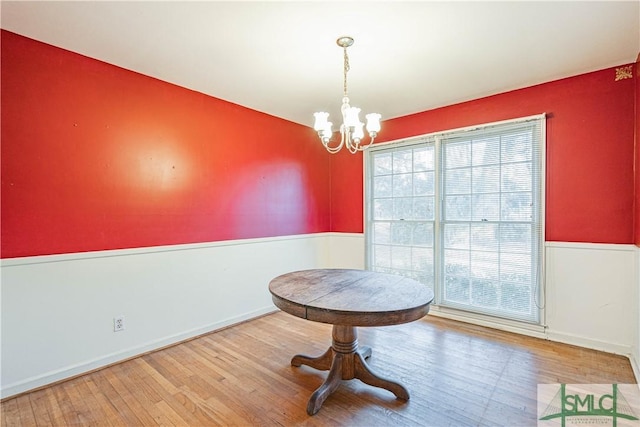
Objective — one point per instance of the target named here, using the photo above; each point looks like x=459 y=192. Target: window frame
x=538 y=189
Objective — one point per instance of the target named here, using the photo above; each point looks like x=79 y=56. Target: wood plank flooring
x=457 y=375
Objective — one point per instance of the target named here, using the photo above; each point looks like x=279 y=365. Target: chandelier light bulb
x=373 y=122
x=358 y=133
x=351 y=118
x=321 y=121
x=327 y=132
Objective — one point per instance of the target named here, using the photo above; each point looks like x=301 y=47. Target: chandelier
x=351 y=129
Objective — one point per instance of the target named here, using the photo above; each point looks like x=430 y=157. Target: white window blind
x=462 y=212
x=403 y=212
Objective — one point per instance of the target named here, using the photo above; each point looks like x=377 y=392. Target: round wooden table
x=347 y=299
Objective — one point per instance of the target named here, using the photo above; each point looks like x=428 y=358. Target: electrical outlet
x=118 y=324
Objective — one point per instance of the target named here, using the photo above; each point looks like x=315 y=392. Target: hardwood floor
x=457 y=375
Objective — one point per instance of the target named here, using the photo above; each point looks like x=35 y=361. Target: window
x=462 y=212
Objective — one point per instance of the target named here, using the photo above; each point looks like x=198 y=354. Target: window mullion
x=437 y=229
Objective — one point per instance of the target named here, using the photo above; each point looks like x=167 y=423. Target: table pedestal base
x=344 y=361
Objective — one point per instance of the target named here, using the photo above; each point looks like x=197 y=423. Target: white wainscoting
x=591 y=295
x=57 y=311
x=346 y=250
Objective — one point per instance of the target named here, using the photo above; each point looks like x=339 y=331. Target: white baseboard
x=120 y=356
x=538 y=332
x=522 y=328
x=580 y=341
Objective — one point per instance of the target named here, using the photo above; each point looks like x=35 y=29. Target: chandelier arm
x=352 y=145
x=334 y=150
x=349 y=143
x=364 y=147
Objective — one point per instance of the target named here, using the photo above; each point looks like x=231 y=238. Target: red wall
x=590 y=153
x=96 y=157
x=347 y=186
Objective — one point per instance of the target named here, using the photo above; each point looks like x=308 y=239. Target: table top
x=351 y=297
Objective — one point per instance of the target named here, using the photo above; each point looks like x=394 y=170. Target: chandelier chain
x=346 y=68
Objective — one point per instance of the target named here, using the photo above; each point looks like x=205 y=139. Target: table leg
x=364 y=374
x=322 y=363
x=328 y=386
x=345 y=361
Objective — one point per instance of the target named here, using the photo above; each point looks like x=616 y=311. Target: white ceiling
x=281 y=57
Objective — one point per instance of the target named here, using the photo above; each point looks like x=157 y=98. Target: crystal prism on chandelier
x=351 y=129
